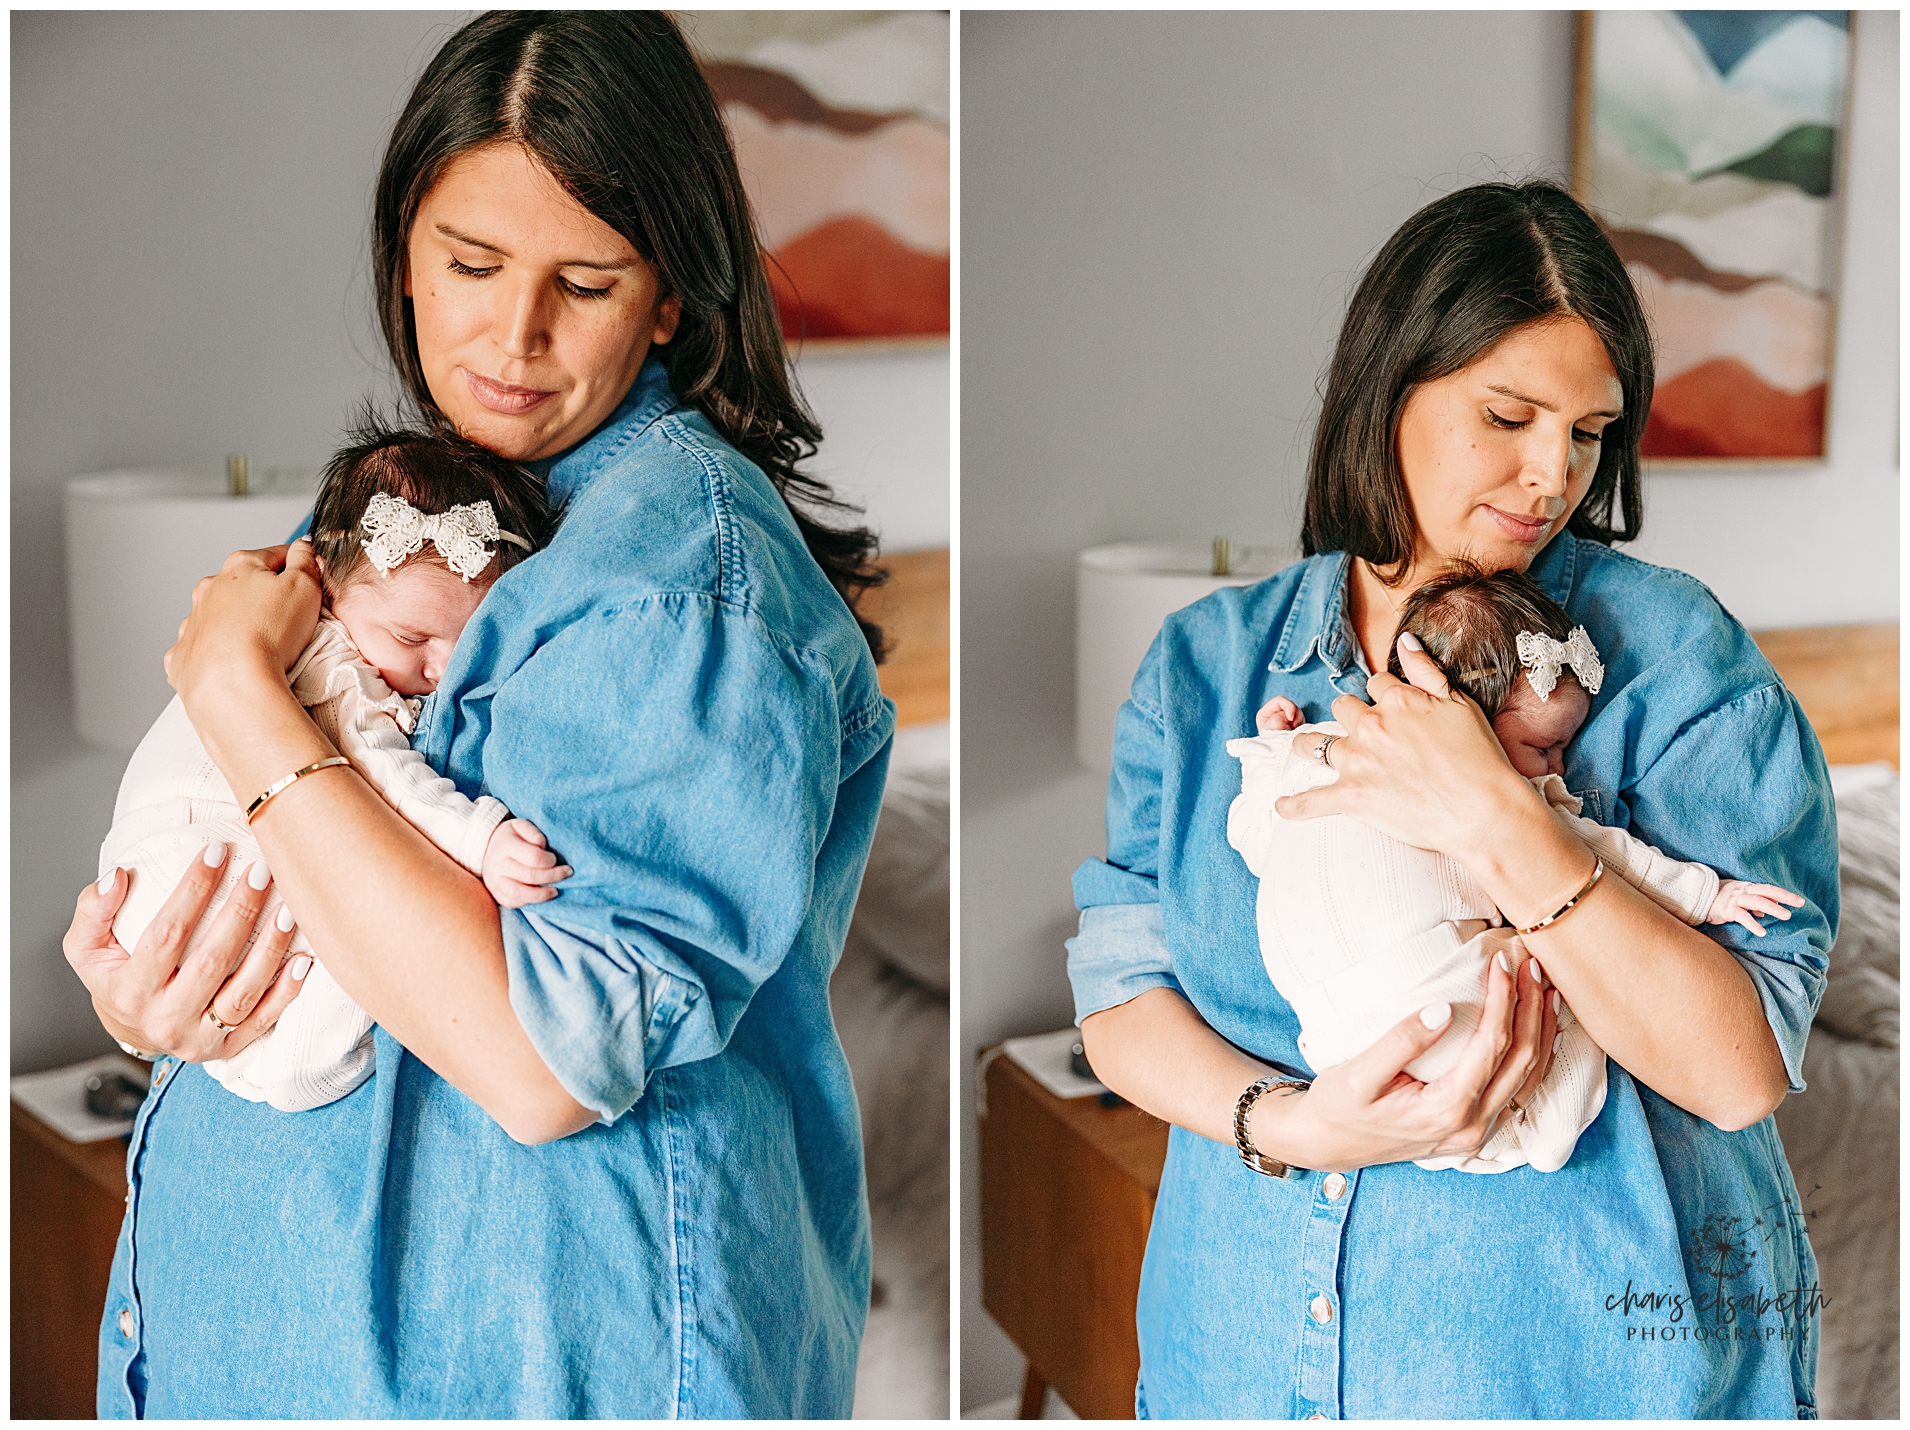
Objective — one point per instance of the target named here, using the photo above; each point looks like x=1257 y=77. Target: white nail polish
x=284 y=920
x=1410 y=641
x=106 y=884
x=1555 y=1002
x=1538 y=974
x=1437 y=1015
x=259 y=875
x=1503 y=962
x=300 y=967
x=215 y=854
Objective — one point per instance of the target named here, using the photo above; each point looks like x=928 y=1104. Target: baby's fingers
x=529 y=874
x=1743 y=917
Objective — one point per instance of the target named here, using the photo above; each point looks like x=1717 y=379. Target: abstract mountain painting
x=840 y=124
x=1707 y=144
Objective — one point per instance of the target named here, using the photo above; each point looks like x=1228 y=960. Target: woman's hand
x=156 y=998
x=1369 y=1110
x=259 y=612
x=1420 y=763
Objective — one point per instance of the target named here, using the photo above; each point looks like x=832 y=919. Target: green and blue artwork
x=1710 y=152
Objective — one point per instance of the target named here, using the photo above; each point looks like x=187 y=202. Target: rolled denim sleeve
x=1120 y=948
x=685 y=765
x=1744 y=790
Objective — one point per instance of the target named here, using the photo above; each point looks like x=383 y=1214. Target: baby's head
x=411 y=529
x=1470 y=620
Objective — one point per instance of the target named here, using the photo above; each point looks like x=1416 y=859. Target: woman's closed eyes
x=1510 y=426
x=576 y=290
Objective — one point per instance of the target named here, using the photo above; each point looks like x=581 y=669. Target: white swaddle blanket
x=173 y=802
x=1358 y=930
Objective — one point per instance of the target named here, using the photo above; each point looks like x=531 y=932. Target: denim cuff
x=1119 y=953
x=600 y=1017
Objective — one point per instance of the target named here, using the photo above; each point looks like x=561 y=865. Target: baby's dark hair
x=1469 y=620
x=434 y=471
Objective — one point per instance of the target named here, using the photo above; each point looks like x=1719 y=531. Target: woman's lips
x=504 y=397
x=1519 y=528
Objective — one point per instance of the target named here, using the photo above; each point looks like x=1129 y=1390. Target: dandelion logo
x=1722 y=1249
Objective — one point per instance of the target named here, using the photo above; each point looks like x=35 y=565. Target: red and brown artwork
x=841 y=133
x=1709 y=154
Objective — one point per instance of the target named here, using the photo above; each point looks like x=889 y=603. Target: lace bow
x=464 y=535
x=1542 y=656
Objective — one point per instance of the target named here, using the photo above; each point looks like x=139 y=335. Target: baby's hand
x=1737 y=901
x=1278 y=713
x=517 y=866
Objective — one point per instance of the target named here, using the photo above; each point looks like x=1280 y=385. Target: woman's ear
x=669 y=314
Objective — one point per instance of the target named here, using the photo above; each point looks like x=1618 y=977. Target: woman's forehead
x=1554 y=364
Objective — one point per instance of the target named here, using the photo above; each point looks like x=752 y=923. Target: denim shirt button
x=1334 y=1187
x=1316 y=1415
x=126 y=1324
x=1321 y=1310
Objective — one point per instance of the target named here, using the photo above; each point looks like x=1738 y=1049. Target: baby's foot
x=1278 y=713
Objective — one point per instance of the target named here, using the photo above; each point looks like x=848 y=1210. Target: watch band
x=1256 y=1159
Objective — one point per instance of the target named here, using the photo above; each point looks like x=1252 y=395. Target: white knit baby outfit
x=1358 y=931
x=173 y=802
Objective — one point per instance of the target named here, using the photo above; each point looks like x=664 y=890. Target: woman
x=610 y=1163
x=1486 y=398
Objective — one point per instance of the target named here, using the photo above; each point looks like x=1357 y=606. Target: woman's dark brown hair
x=1469 y=619
x=1457 y=277
x=434 y=471
x=612 y=104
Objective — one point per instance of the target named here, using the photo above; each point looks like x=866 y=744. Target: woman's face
x=1498 y=455
x=532 y=314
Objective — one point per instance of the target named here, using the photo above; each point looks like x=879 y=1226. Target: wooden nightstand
x=67 y=1201
x=1067 y=1197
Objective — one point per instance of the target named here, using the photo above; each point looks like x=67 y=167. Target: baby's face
x=407 y=622
x=1535 y=732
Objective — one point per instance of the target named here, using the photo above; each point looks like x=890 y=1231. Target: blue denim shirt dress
x=676 y=696
x=1665 y=1270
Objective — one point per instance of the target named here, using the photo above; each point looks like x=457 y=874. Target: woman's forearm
x=1159 y=1054
x=1669 y=1004
x=407 y=932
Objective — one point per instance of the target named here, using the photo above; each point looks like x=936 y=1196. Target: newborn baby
x=408 y=542
x=1358 y=930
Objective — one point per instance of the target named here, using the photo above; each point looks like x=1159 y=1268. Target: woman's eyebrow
x=615 y=265
x=1546 y=406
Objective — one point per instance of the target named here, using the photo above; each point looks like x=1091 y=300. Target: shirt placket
x=1320 y=1308
x=123 y=1298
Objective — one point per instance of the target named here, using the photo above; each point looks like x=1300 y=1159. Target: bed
x=890 y=994
x=1841 y=1133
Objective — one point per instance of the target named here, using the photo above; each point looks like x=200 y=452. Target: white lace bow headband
x=464 y=535
x=1542 y=656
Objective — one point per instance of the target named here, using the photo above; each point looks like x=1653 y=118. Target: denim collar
x=1318 y=622
x=648 y=399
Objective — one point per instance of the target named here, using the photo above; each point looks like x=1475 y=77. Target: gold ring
x=220 y=1024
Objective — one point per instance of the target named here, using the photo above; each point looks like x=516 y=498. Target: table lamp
x=1122 y=594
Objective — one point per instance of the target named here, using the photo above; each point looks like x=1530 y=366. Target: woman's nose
x=526 y=321
x=1548 y=465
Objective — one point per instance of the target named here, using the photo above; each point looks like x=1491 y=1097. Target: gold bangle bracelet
x=1598 y=871
x=291 y=779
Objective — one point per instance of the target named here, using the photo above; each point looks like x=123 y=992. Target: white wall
x=191 y=196
x=1162 y=217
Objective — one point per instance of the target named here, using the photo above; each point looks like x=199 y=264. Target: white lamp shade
x=1122 y=594
x=136 y=544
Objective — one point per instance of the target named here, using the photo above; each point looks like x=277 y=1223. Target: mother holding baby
x=609 y=1163
x=1485 y=401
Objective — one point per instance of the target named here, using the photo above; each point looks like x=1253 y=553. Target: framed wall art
x=841 y=125
x=1707 y=142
